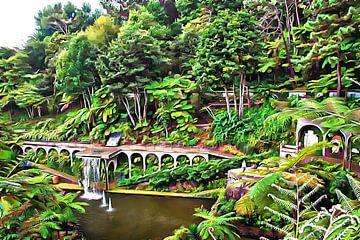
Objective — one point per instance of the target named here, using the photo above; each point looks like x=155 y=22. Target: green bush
x=204 y=172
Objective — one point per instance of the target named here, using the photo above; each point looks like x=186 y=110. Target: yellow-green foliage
x=102 y=31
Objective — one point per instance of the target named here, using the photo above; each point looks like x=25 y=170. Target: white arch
x=298 y=133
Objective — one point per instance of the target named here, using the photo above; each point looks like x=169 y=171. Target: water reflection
x=139 y=217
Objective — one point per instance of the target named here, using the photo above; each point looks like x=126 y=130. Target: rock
x=142 y=186
x=190 y=184
x=176 y=186
x=236 y=191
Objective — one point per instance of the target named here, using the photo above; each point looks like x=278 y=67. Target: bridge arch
x=53 y=150
x=183 y=159
x=111 y=167
x=198 y=159
x=167 y=161
x=18 y=149
x=40 y=150
x=136 y=159
x=152 y=160
x=28 y=148
x=122 y=160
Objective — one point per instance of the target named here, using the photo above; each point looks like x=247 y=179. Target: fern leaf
x=306 y=184
x=259 y=192
x=344 y=200
x=344 y=234
x=312 y=205
x=274 y=227
x=283 y=203
x=309 y=194
x=281 y=215
x=354 y=185
x=244 y=206
x=337 y=227
x=314 y=227
x=284 y=191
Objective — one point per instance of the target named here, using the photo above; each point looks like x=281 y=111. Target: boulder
x=190 y=184
x=237 y=190
x=142 y=186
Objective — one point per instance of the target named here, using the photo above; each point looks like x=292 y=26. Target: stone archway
x=111 y=167
x=136 y=163
x=152 y=162
x=17 y=150
x=198 y=159
x=167 y=161
x=183 y=159
x=341 y=145
x=308 y=135
x=41 y=154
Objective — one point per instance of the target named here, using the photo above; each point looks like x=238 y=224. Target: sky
x=17 y=18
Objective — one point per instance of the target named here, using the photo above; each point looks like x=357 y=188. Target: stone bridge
x=58 y=147
x=112 y=156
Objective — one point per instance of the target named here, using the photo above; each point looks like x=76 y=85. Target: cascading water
x=91 y=181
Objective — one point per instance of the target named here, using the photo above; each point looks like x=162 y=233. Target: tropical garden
x=231 y=76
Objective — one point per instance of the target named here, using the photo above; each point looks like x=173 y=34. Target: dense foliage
x=158 y=71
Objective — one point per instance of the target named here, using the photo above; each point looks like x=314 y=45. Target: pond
x=138 y=217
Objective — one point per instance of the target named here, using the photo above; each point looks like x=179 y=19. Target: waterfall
x=91 y=181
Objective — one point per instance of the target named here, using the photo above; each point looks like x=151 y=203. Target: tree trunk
x=338 y=72
x=227 y=101
x=288 y=27
x=127 y=107
x=145 y=105
x=292 y=72
x=297 y=13
x=241 y=95
x=234 y=92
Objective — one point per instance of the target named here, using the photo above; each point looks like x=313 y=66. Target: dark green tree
x=75 y=69
x=134 y=59
x=227 y=54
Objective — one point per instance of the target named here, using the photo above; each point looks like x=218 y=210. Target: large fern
x=220 y=224
x=331 y=113
x=293 y=199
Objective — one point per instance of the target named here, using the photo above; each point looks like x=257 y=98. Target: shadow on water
x=139 y=217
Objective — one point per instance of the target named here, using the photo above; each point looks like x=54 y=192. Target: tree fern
x=331 y=113
x=293 y=205
x=331 y=224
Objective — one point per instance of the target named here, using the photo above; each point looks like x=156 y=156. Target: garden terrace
x=111 y=155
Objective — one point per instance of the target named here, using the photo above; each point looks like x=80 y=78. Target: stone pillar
x=129 y=161
x=107 y=185
x=71 y=157
x=159 y=156
x=143 y=155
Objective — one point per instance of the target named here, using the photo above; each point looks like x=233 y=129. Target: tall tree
x=75 y=69
x=227 y=54
x=331 y=39
x=133 y=59
x=64 y=19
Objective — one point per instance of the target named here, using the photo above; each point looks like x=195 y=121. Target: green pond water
x=138 y=217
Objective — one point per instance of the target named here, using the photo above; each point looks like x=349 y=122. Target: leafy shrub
x=204 y=172
x=245 y=131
